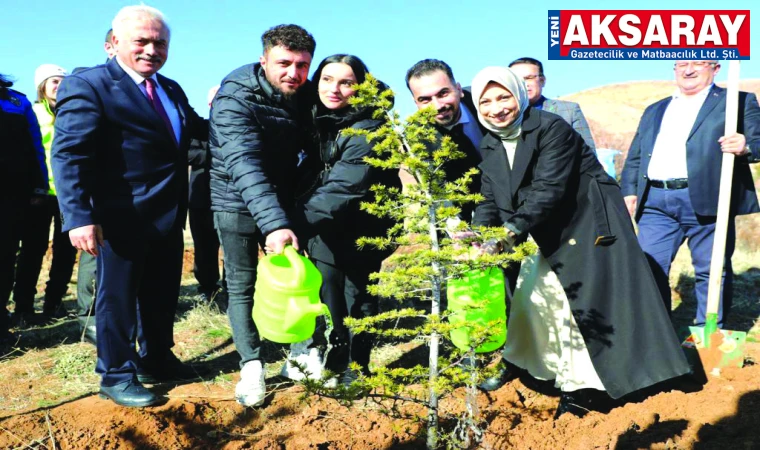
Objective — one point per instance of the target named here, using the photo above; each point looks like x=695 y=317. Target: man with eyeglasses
x=672 y=175
x=532 y=72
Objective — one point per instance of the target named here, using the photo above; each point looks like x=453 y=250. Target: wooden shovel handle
x=724 y=198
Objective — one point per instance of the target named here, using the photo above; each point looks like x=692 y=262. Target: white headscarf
x=514 y=84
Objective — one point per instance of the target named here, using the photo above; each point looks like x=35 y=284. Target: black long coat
x=330 y=213
x=559 y=193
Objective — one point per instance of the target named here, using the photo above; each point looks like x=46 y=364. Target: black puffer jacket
x=256 y=136
x=331 y=213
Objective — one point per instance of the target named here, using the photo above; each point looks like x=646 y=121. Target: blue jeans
x=240 y=239
x=668 y=219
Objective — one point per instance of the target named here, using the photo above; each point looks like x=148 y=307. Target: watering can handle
x=297 y=264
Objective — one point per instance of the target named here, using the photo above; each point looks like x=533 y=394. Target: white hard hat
x=46 y=71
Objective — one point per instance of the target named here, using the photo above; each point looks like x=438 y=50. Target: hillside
x=613 y=111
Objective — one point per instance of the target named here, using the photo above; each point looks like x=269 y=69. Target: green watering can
x=478 y=297
x=286 y=300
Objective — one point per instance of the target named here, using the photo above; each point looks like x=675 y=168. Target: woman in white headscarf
x=586 y=311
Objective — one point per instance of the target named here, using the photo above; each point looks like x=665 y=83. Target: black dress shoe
x=503 y=374
x=130 y=394
x=58 y=311
x=170 y=369
x=577 y=403
x=89 y=334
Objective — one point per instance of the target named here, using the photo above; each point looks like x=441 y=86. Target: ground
x=47 y=397
x=48 y=388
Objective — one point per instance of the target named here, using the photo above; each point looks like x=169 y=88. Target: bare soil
x=722 y=414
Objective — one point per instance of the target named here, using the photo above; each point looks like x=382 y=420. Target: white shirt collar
x=701 y=94
x=136 y=77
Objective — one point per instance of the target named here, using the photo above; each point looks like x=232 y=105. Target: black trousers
x=11 y=227
x=64 y=256
x=135 y=270
x=206 y=243
x=344 y=291
x=34 y=243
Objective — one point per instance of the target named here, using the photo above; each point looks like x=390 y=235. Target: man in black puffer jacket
x=259 y=133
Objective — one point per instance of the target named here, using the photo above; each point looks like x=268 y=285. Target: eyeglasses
x=697 y=65
x=531 y=77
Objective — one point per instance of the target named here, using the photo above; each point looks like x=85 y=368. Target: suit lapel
x=496 y=166
x=659 y=112
x=174 y=97
x=550 y=106
x=526 y=147
x=523 y=155
x=714 y=97
x=137 y=98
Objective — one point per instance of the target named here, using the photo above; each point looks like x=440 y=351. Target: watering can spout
x=299 y=310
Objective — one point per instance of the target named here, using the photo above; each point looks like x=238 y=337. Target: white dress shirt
x=668 y=159
x=169 y=106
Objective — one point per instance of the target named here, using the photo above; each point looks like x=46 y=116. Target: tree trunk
x=435 y=308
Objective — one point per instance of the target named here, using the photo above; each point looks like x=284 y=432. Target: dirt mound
x=724 y=413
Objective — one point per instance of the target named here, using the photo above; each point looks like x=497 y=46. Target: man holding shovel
x=672 y=174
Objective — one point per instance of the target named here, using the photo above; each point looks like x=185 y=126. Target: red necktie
x=150 y=88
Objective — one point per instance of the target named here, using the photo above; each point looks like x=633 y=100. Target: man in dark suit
x=672 y=175
x=432 y=83
x=120 y=153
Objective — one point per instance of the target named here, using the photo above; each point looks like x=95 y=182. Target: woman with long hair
x=332 y=217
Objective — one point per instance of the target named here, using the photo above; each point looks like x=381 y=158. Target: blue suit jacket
x=115 y=162
x=703 y=155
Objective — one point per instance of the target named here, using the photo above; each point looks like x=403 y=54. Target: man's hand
x=734 y=143
x=277 y=240
x=631 y=201
x=87 y=238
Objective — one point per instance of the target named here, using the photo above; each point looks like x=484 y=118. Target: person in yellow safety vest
x=47 y=78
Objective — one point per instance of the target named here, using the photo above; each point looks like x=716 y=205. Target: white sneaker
x=310 y=359
x=251 y=389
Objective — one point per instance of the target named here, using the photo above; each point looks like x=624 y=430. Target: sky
x=212 y=38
